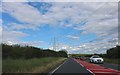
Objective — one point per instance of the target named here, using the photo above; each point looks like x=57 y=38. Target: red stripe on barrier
x=98 y=70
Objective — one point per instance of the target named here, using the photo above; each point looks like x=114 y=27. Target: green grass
x=36 y=65
x=113 y=61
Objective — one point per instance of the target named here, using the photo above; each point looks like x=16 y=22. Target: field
x=36 y=65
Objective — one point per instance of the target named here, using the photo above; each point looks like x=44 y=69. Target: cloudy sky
x=78 y=27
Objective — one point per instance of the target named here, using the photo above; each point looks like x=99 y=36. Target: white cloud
x=15 y=26
x=95 y=47
x=61 y=46
x=1 y=21
x=29 y=43
x=26 y=16
x=100 y=18
x=60 y=0
x=102 y=27
x=1 y=30
x=13 y=36
x=14 y=1
x=0 y=33
x=73 y=37
x=32 y=43
x=75 y=11
x=9 y=42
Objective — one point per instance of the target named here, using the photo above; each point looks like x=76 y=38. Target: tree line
x=27 y=52
x=110 y=53
x=114 y=52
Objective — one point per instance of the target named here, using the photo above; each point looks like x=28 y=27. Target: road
x=112 y=66
x=79 y=67
x=71 y=67
x=109 y=65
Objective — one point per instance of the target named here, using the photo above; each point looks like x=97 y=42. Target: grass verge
x=113 y=61
x=36 y=65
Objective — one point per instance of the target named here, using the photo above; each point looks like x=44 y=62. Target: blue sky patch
x=42 y=7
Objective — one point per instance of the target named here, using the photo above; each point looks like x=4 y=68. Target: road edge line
x=81 y=65
x=57 y=68
x=85 y=67
x=78 y=62
x=90 y=71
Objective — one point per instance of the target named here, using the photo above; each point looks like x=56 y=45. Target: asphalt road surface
x=112 y=66
x=71 y=67
x=109 y=65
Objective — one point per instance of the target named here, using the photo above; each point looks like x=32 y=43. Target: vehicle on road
x=83 y=58
x=77 y=57
x=96 y=59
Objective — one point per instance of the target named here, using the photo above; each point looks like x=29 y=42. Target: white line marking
x=106 y=72
x=78 y=63
x=57 y=68
x=86 y=68
x=99 y=69
x=81 y=64
x=90 y=71
x=106 y=67
x=114 y=69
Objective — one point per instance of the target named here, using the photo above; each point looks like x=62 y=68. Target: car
x=76 y=57
x=82 y=58
x=96 y=59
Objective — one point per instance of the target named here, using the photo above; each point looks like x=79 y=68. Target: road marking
x=78 y=63
x=113 y=69
x=57 y=68
x=90 y=71
x=85 y=67
x=106 y=67
x=101 y=71
x=81 y=64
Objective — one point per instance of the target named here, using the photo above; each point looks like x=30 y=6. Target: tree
x=114 y=52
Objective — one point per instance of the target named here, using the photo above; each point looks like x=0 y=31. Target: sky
x=78 y=27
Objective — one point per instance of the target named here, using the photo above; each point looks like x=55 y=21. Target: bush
x=27 y=52
x=114 y=52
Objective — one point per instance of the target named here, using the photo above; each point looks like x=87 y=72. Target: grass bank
x=36 y=65
x=113 y=61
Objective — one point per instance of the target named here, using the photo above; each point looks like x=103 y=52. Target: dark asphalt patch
x=112 y=66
